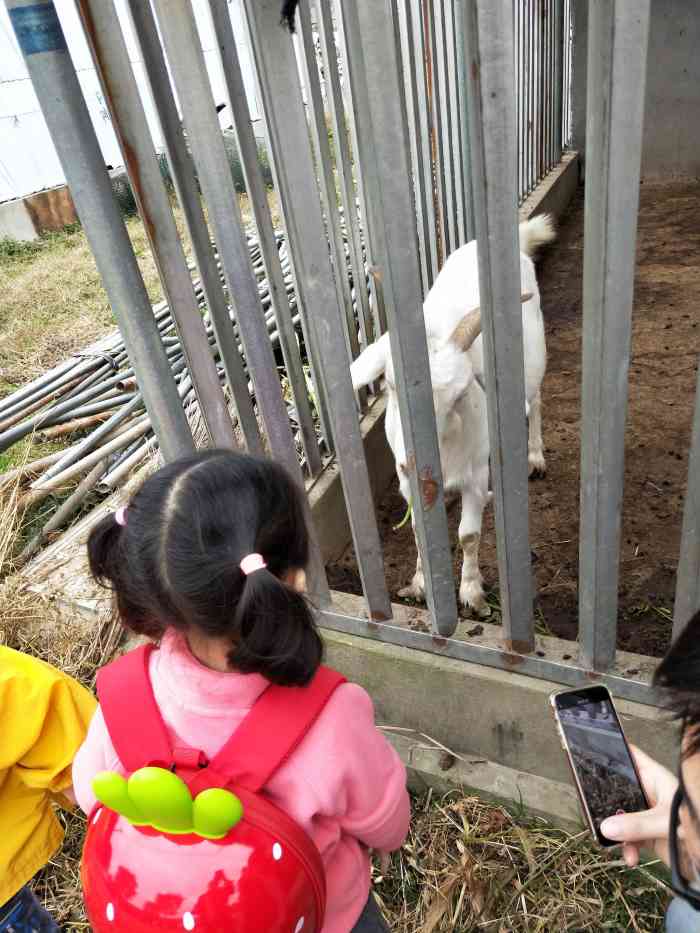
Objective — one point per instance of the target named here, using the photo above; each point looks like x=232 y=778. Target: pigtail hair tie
x=251 y=563
x=120 y=516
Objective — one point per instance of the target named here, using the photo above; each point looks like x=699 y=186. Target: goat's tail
x=536 y=232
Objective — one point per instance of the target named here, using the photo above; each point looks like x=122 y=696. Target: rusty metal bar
x=182 y=172
x=257 y=196
x=121 y=94
x=41 y=40
x=287 y=129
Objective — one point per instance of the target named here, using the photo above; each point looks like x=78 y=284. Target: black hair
x=176 y=561
x=678 y=676
x=289 y=8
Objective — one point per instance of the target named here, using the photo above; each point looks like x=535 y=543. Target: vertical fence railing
x=490 y=31
x=435 y=78
x=384 y=159
x=257 y=194
x=617 y=45
x=41 y=40
x=287 y=131
x=121 y=93
x=185 y=183
x=486 y=114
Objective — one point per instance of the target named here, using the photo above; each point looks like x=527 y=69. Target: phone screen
x=600 y=755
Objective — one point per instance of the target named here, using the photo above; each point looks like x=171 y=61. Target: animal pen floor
x=663 y=373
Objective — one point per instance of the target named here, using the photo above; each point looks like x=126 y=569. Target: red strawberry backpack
x=184 y=843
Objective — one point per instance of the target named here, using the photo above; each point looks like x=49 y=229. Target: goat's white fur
x=459 y=400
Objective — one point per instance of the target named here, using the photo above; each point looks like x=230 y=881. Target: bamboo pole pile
x=92 y=403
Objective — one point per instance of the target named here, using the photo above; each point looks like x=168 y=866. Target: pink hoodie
x=345 y=785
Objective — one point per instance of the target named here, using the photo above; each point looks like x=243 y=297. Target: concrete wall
x=672 y=111
x=671 y=142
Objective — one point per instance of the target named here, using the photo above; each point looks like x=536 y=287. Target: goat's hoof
x=412 y=591
x=537 y=467
x=474 y=600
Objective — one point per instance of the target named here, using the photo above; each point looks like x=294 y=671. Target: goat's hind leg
x=535 y=450
x=416 y=588
x=471 y=588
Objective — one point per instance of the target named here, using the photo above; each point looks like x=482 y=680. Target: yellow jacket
x=44 y=716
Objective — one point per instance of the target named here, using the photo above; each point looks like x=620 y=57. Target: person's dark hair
x=289 y=8
x=678 y=676
x=176 y=561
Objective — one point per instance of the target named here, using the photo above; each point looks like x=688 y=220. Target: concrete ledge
x=429 y=766
x=554 y=193
x=501 y=716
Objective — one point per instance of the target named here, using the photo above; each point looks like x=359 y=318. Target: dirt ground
x=663 y=374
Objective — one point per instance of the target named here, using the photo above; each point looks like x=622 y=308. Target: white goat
x=453 y=331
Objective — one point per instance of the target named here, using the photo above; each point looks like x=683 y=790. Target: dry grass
x=52 y=301
x=468 y=865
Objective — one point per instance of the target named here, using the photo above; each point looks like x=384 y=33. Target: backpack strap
x=270 y=732
x=132 y=717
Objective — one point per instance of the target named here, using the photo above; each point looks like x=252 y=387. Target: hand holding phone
x=605 y=773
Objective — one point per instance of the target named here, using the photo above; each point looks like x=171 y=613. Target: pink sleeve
x=376 y=806
x=94 y=755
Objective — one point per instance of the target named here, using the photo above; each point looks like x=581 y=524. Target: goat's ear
x=469 y=328
x=370 y=364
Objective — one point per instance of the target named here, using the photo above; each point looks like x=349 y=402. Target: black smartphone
x=605 y=774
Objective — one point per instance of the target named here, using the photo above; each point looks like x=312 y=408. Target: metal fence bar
x=414 y=14
x=568 y=21
x=423 y=193
x=445 y=122
x=326 y=177
x=182 y=172
x=358 y=124
x=121 y=94
x=529 y=81
x=558 y=76
x=491 y=655
x=343 y=165
x=545 y=86
x=687 y=601
x=519 y=90
x=257 y=194
x=493 y=162
x=617 y=46
x=55 y=83
x=463 y=69
x=462 y=167
x=391 y=201
x=186 y=59
x=460 y=236
x=540 y=64
x=436 y=134
x=286 y=122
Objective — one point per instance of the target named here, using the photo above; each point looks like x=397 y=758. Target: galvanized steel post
x=617 y=46
x=489 y=36
x=288 y=132
x=257 y=194
x=687 y=600
x=121 y=93
x=391 y=197
x=55 y=82
x=182 y=171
